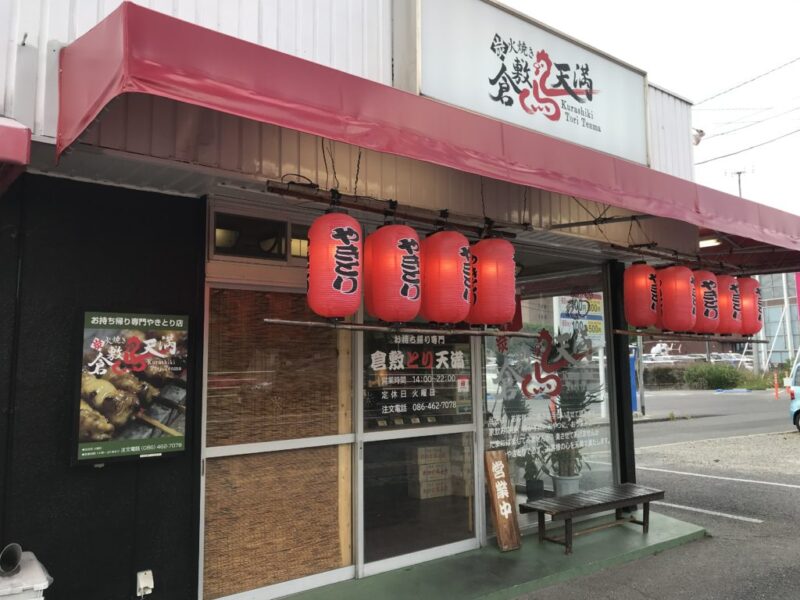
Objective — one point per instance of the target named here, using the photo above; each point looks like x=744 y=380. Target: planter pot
x=534 y=489
x=564 y=485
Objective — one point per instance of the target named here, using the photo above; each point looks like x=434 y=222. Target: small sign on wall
x=503 y=500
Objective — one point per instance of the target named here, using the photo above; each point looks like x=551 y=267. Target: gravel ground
x=767 y=454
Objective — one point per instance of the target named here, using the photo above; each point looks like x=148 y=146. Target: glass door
x=417 y=438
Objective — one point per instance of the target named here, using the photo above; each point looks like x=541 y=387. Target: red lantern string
x=752 y=309
x=676 y=299
x=446 y=276
x=392 y=272
x=707 y=298
x=334 y=265
x=493 y=282
x=640 y=296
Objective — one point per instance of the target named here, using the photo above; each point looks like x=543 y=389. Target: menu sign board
x=416 y=380
x=503 y=500
x=132 y=399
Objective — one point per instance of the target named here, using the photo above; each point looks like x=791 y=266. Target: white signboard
x=484 y=59
x=582 y=313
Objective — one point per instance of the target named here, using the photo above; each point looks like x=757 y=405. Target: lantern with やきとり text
x=446 y=277
x=640 y=296
x=334 y=265
x=393 y=289
x=676 y=298
x=493 y=282
x=730 y=305
x=752 y=309
x=706 y=293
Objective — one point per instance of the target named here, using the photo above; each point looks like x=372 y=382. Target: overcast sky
x=697 y=49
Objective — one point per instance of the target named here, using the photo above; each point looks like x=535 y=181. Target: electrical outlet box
x=144 y=583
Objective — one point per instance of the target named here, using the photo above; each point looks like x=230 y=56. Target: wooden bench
x=615 y=497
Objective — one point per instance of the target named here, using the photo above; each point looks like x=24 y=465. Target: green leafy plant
x=536 y=459
x=566 y=459
x=705 y=376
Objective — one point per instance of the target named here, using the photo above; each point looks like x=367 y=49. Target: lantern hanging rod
x=600 y=221
x=432 y=218
x=688 y=337
x=414 y=330
x=674 y=256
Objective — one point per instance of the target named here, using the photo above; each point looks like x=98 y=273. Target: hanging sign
x=480 y=57
x=133 y=374
x=503 y=500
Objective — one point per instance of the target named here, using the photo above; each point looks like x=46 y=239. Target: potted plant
x=565 y=460
x=535 y=464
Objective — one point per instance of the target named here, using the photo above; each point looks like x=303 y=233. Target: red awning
x=15 y=151
x=138 y=50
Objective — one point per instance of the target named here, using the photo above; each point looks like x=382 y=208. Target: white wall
x=669 y=133
x=351 y=35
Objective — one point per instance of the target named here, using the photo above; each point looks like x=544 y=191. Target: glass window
x=416 y=380
x=237 y=235
x=273 y=382
x=546 y=399
x=299 y=241
x=417 y=494
x=276 y=516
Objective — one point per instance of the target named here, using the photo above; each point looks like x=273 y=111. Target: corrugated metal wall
x=350 y=35
x=669 y=131
x=243 y=150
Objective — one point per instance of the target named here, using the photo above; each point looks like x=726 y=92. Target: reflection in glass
x=417 y=494
x=546 y=398
x=237 y=235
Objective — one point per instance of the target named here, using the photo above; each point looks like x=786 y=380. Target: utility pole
x=756 y=361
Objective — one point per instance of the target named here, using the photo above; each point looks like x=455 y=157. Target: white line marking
x=755 y=481
x=719 y=439
x=710 y=512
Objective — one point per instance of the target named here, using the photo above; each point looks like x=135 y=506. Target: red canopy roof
x=15 y=150
x=138 y=50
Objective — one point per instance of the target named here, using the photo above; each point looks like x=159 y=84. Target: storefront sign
x=484 y=59
x=503 y=500
x=414 y=380
x=132 y=399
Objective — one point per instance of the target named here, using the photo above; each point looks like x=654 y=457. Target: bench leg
x=646 y=517
x=541 y=527
x=568 y=536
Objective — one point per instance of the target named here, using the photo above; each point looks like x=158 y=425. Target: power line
x=730 y=89
x=708 y=137
x=702 y=162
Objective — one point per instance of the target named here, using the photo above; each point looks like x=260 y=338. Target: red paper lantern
x=752 y=309
x=641 y=298
x=707 y=294
x=730 y=305
x=676 y=300
x=446 y=276
x=493 y=282
x=392 y=272
x=334 y=265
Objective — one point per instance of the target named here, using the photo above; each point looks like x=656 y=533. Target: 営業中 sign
x=503 y=500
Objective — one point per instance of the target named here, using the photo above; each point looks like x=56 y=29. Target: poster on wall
x=582 y=313
x=416 y=380
x=133 y=374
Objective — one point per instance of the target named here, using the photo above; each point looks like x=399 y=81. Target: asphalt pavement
x=732 y=467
